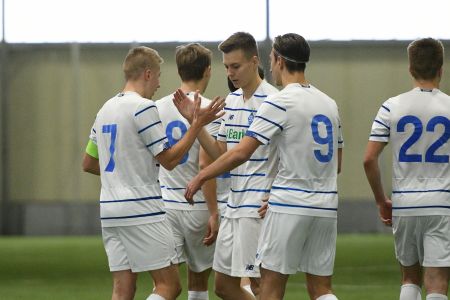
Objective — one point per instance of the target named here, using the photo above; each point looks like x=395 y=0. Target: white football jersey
x=251 y=181
x=129 y=134
x=417 y=124
x=303 y=124
x=173 y=183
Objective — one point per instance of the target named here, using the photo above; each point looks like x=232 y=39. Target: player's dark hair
x=240 y=41
x=294 y=49
x=426 y=57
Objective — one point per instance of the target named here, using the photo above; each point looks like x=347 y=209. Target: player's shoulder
x=266 y=88
x=163 y=101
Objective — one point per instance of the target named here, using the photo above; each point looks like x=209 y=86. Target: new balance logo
x=231 y=117
x=249 y=267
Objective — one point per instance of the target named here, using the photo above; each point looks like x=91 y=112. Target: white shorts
x=236 y=247
x=139 y=248
x=292 y=243
x=189 y=228
x=422 y=239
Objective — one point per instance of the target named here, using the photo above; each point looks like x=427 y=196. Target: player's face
x=275 y=68
x=240 y=70
x=153 y=82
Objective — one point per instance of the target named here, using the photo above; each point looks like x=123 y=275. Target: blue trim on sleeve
x=277 y=106
x=151 y=125
x=259 y=159
x=386 y=108
x=381 y=123
x=272 y=122
x=141 y=111
x=380 y=135
x=254 y=134
x=151 y=144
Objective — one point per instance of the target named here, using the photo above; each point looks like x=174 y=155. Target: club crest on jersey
x=251 y=118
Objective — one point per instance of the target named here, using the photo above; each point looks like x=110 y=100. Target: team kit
x=245 y=187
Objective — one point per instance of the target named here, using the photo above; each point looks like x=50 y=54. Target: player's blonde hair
x=192 y=61
x=140 y=59
x=426 y=57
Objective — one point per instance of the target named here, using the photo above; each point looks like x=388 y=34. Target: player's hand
x=263 y=209
x=206 y=115
x=184 y=104
x=212 y=230
x=193 y=186
x=385 y=212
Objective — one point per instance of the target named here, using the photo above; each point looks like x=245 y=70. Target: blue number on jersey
x=418 y=128
x=172 y=141
x=112 y=130
x=327 y=140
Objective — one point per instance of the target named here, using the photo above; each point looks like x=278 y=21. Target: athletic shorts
x=189 y=229
x=422 y=239
x=295 y=243
x=236 y=247
x=139 y=248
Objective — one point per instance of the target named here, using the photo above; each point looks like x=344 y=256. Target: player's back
x=417 y=123
x=174 y=182
x=127 y=135
x=308 y=147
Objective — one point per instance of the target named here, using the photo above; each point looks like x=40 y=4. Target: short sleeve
x=269 y=121
x=381 y=126
x=150 y=128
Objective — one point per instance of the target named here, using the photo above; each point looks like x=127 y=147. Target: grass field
x=76 y=268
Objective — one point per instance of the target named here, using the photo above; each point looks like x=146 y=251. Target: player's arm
x=90 y=160
x=373 y=174
x=339 y=168
x=170 y=158
x=213 y=147
x=228 y=161
x=209 y=190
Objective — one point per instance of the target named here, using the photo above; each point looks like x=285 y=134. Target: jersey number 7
x=112 y=130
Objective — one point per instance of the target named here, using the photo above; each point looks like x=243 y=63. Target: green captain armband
x=92 y=149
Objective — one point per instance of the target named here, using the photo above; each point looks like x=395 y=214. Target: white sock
x=327 y=297
x=410 y=291
x=435 y=296
x=155 y=297
x=196 y=295
x=248 y=288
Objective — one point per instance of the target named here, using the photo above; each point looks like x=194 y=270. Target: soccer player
x=130 y=140
x=250 y=183
x=299 y=230
x=190 y=223
x=417 y=123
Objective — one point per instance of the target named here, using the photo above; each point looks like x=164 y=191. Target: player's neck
x=132 y=86
x=250 y=89
x=427 y=84
x=296 y=77
x=192 y=86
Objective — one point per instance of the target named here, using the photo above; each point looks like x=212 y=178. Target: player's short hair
x=426 y=57
x=240 y=41
x=140 y=59
x=294 y=49
x=192 y=61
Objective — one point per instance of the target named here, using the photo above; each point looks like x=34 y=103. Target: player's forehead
x=234 y=57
